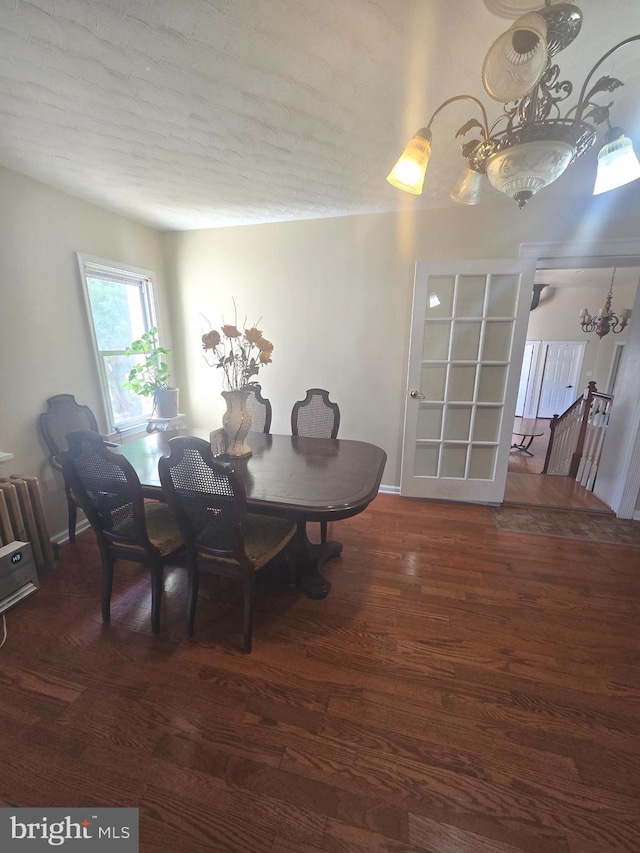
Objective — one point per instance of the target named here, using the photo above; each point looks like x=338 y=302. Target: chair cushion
x=161 y=528
x=264 y=537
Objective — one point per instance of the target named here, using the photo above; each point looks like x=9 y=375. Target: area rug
x=567 y=525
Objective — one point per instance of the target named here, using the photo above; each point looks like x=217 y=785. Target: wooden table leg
x=311 y=559
x=524 y=447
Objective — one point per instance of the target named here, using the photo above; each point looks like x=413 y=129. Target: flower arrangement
x=239 y=355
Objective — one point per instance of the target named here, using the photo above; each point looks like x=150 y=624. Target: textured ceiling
x=201 y=113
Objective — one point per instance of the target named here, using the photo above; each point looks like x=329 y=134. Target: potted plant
x=150 y=376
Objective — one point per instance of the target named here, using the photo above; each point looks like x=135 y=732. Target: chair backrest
x=63 y=415
x=259 y=408
x=206 y=497
x=315 y=416
x=106 y=487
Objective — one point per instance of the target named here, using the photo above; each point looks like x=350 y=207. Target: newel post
x=553 y=423
x=577 y=456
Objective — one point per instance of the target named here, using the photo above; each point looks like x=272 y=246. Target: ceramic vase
x=236 y=422
x=166 y=403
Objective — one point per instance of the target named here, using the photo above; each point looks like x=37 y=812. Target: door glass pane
x=497 y=341
x=491 y=385
x=426 y=460
x=487 y=425
x=436 y=341
x=429 y=422
x=461 y=383
x=457 y=423
x=503 y=291
x=466 y=341
x=482 y=463
x=453 y=461
x=440 y=296
x=470 y=298
x=432 y=383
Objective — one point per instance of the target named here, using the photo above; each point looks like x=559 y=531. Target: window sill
x=126 y=433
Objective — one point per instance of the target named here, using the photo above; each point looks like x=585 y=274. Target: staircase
x=577 y=436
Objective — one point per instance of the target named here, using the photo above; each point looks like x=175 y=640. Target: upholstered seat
x=109 y=492
x=209 y=503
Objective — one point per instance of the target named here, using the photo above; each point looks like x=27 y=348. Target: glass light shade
x=468 y=187
x=522 y=170
x=516 y=61
x=408 y=173
x=617 y=165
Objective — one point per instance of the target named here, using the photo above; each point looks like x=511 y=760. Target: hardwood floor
x=461 y=689
x=526 y=485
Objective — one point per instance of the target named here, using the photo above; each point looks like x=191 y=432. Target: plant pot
x=166 y=402
x=236 y=422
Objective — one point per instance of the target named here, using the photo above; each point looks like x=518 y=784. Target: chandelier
x=605 y=320
x=532 y=143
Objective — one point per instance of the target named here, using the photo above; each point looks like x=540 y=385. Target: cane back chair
x=316 y=417
x=126 y=526
x=259 y=408
x=63 y=415
x=209 y=502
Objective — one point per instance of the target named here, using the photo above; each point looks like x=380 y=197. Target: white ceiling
x=201 y=113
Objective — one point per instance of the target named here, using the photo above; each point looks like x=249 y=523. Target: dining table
x=295 y=477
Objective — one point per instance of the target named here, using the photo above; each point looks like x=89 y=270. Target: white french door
x=469 y=324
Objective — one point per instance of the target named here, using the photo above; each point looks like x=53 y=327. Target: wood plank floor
x=526 y=485
x=461 y=690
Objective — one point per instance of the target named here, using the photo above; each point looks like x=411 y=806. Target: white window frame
x=94 y=267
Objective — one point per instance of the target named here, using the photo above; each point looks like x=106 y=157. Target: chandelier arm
x=463 y=98
x=502 y=118
x=580 y=105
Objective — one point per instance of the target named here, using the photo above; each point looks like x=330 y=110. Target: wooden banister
x=569 y=431
x=577 y=453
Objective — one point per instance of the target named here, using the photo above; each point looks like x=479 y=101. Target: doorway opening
x=559 y=362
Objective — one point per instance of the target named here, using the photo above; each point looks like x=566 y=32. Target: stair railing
x=577 y=436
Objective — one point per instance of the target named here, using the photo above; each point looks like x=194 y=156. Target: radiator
x=22 y=517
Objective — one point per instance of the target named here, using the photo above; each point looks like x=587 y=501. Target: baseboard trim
x=63 y=537
x=389 y=490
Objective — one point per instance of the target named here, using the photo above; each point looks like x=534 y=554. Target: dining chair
x=208 y=500
x=63 y=415
x=259 y=408
x=316 y=417
x=126 y=526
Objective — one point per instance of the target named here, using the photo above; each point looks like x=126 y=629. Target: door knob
x=569 y=386
x=417 y=395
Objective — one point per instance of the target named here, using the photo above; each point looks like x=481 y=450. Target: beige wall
x=556 y=319
x=335 y=297
x=45 y=347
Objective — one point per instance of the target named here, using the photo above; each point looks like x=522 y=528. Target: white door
x=526 y=376
x=469 y=324
x=563 y=365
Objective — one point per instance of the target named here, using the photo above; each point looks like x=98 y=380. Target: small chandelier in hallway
x=605 y=320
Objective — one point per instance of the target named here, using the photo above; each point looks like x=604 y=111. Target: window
x=121 y=307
